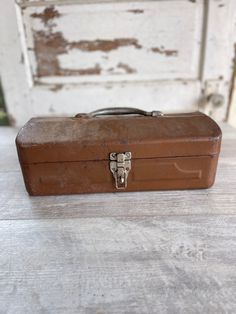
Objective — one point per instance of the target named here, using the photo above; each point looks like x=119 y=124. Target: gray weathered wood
x=155 y=252
x=116 y=265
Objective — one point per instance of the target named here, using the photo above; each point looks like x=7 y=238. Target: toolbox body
x=118 y=150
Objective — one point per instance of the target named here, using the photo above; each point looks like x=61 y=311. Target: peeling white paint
x=196 y=35
x=174 y=35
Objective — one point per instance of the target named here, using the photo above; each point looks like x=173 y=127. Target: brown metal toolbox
x=118 y=149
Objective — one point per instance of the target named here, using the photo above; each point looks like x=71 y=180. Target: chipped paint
x=47 y=49
x=105 y=45
x=95 y=70
x=48 y=46
x=162 y=50
x=136 y=11
x=48 y=14
x=63 y=45
x=126 y=67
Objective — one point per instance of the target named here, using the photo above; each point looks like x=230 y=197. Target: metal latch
x=120 y=165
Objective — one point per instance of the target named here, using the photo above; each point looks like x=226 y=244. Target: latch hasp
x=120 y=165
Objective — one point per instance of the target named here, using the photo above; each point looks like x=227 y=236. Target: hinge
x=120 y=165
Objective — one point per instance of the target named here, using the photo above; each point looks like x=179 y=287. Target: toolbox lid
x=86 y=138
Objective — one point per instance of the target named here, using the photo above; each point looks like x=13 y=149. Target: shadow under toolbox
x=118 y=149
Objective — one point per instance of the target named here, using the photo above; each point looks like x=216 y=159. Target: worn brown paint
x=136 y=11
x=126 y=67
x=168 y=53
x=47 y=49
x=48 y=46
x=48 y=14
x=123 y=66
x=95 y=70
x=105 y=45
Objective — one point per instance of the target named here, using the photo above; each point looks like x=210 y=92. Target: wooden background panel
x=128 y=40
x=64 y=97
x=219 y=53
x=71 y=99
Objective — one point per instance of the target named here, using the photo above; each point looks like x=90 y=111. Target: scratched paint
x=126 y=67
x=163 y=51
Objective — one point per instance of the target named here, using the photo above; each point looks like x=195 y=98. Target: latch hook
x=120 y=165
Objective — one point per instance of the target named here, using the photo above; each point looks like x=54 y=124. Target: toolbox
x=118 y=150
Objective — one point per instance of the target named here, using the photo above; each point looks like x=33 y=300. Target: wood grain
x=156 y=252
x=141 y=265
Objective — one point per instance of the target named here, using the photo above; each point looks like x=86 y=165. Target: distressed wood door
x=63 y=57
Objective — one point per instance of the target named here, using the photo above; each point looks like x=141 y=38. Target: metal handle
x=124 y=111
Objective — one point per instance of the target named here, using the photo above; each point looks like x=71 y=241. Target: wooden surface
x=155 y=252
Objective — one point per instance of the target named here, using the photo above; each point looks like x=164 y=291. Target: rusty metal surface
x=93 y=138
x=71 y=155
